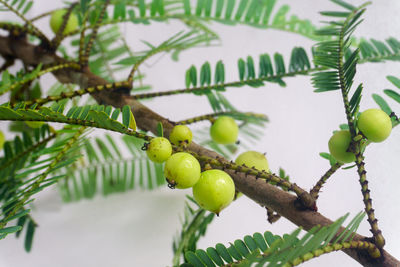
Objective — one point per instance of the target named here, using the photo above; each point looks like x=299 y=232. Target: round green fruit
x=2 y=140
x=375 y=125
x=181 y=134
x=224 y=130
x=159 y=149
x=182 y=170
x=253 y=159
x=338 y=146
x=214 y=191
x=56 y=21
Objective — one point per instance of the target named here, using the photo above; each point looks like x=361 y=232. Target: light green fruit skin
x=34 y=124
x=338 y=145
x=159 y=149
x=181 y=134
x=57 y=18
x=253 y=159
x=375 y=125
x=183 y=170
x=214 y=191
x=2 y=140
x=224 y=130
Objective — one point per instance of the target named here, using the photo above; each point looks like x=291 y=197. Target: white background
x=136 y=228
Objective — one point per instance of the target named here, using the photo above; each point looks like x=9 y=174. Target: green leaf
x=382 y=104
x=10 y=230
x=344 y=4
x=241 y=66
x=193 y=259
x=394 y=95
x=160 y=130
x=394 y=80
x=29 y=235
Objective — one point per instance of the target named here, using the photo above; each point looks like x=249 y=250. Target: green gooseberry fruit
x=34 y=124
x=253 y=159
x=159 y=149
x=338 y=146
x=375 y=124
x=214 y=191
x=181 y=134
x=182 y=170
x=56 y=21
x=2 y=140
x=224 y=130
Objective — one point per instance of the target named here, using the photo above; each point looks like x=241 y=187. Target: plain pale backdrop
x=136 y=228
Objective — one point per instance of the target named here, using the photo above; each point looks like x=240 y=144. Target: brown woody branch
x=257 y=189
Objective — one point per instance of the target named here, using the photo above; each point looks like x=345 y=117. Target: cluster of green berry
x=374 y=124
x=213 y=189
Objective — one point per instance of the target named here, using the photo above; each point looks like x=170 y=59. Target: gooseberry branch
x=212 y=116
x=256 y=189
x=377 y=234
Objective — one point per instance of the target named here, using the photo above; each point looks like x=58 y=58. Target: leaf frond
x=104 y=169
x=288 y=250
x=96 y=116
x=194 y=225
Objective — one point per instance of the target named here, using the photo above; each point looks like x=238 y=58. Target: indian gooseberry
x=253 y=159
x=181 y=134
x=159 y=149
x=56 y=21
x=214 y=191
x=182 y=170
x=338 y=146
x=224 y=130
x=375 y=124
x=2 y=140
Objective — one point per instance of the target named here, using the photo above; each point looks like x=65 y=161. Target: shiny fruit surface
x=181 y=134
x=182 y=170
x=224 y=130
x=338 y=146
x=375 y=124
x=159 y=149
x=214 y=191
x=253 y=159
x=56 y=21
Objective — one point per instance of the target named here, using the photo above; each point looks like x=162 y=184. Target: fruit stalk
x=314 y=192
x=377 y=233
x=55 y=42
x=84 y=58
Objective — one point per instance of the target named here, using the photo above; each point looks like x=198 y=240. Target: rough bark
x=256 y=189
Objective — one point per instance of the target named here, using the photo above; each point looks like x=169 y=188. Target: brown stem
x=258 y=190
x=272 y=215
